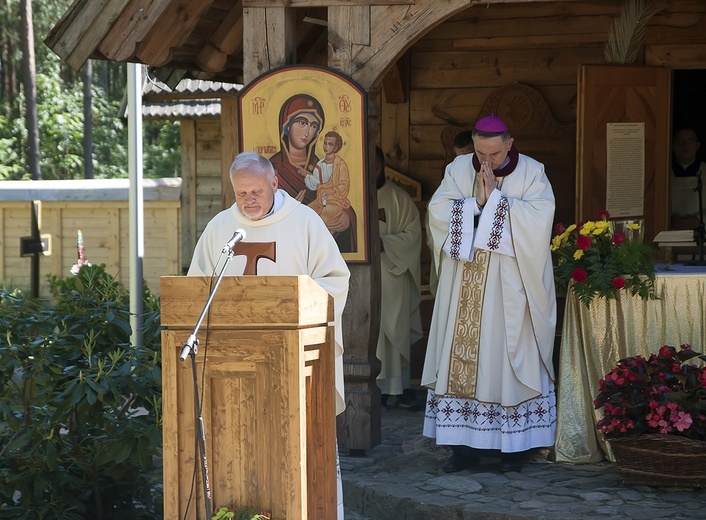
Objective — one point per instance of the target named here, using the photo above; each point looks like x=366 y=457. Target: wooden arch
x=392 y=30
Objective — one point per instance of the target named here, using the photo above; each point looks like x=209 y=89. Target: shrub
x=80 y=408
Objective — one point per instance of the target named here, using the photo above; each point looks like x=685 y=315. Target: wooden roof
x=179 y=39
x=234 y=40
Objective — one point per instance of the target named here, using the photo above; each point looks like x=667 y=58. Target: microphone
x=238 y=235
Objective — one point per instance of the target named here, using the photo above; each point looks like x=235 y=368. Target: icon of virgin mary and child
x=322 y=184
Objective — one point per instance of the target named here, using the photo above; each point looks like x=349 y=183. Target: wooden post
x=359 y=427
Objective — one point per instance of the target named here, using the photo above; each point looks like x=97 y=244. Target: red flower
x=583 y=242
x=559 y=228
x=603 y=215
x=665 y=351
x=578 y=227
x=579 y=275
x=618 y=238
x=618 y=282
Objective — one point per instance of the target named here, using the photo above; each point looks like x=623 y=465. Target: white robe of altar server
x=507 y=305
x=303 y=247
x=400 y=321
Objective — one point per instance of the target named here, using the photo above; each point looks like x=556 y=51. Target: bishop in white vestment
x=489 y=357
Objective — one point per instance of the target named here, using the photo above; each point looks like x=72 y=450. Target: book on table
x=675 y=238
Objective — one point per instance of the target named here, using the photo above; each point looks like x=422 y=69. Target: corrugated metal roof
x=189 y=86
x=179 y=103
x=182 y=109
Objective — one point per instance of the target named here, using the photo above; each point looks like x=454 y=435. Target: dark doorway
x=689 y=106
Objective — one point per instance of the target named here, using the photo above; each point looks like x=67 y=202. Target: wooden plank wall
x=201 y=171
x=451 y=72
x=105 y=229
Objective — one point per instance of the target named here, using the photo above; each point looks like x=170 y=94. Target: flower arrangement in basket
x=599 y=261
x=654 y=415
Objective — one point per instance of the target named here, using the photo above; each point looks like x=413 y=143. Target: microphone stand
x=700 y=231
x=191 y=349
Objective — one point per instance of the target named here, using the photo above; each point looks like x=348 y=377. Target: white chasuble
x=492 y=332
x=400 y=265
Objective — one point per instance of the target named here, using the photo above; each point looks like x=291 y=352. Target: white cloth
x=493 y=325
x=303 y=247
x=400 y=320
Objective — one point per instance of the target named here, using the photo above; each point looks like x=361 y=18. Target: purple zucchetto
x=492 y=124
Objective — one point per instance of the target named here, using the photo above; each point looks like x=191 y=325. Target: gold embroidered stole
x=463 y=365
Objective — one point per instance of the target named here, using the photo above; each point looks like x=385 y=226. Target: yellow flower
x=578 y=254
x=601 y=226
x=556 y=243
x=634 y=225
x=587 y=228
x=569 y=229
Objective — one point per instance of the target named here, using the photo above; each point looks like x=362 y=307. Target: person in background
x=400 y=254
x=687 y=168
x=283 y=237
x=488 y=363
x=462 y=143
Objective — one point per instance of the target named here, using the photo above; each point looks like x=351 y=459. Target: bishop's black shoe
x=458 y=463
x=512 y=461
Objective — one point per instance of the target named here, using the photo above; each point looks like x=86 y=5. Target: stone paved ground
x=401 y=479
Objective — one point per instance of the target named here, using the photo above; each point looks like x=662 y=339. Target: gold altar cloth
x=594 y=339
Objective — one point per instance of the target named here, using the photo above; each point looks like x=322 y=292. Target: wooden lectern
x=268 y=396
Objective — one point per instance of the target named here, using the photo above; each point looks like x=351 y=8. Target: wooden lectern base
x=268 y=397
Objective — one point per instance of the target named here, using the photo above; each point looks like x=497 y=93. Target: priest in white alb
x=488 y=364
x=283 y=237
x=400 y=271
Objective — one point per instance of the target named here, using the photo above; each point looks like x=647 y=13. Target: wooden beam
x=323 y=3
x=339 y=38
x=131 y=27
x=171 y=30
x=230 y=146
x=81 y=29
x=226 y=40
x=268 y=40
x=188 y=189
x=393 y=87
x=676 y=56
x=347 y=26
x=393 y=29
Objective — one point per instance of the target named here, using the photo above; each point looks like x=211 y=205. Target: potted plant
x=597 y=260
x=654 y=416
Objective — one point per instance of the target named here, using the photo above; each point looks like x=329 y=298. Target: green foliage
x=226 y=513
x=60 y=111
x=162 y=149
x=80 y=408
x=60 y=116
x=597 y=261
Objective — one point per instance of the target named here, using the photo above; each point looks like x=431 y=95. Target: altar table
x=594 y=339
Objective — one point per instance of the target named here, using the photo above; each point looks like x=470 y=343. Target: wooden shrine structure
x=429 y=68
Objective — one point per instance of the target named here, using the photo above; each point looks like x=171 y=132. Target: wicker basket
x=661 y=460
